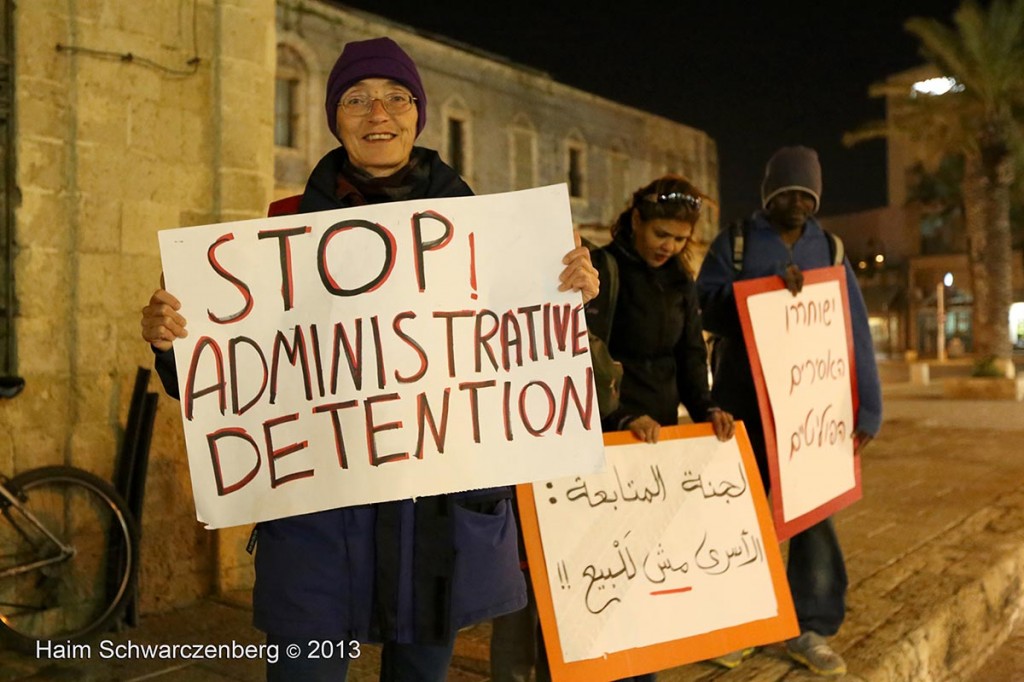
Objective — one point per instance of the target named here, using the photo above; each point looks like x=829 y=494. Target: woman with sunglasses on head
x=653 y=327
x=407 y=573
x=651 y=324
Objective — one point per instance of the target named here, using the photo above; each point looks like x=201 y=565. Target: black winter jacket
x=655 y=332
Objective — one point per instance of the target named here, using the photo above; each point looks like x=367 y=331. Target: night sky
x=753 y=75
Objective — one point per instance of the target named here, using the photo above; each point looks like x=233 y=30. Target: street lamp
x=940 y=314
x=935 y=87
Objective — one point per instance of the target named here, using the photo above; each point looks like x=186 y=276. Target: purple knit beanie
x=792 y=168
x=374 y=58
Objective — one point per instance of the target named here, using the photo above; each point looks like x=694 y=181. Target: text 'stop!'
x=379 y=353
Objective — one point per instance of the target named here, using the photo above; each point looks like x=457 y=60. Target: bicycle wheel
x=86 y=589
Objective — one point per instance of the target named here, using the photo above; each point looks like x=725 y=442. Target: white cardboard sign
x=663 y=545
x=380 y=352
x=803 y=348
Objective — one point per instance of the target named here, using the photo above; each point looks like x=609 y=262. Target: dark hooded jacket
x=405 y=571
x=654 y=329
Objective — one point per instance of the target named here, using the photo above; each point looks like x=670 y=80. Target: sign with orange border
x=688 y=466
x=818 y=367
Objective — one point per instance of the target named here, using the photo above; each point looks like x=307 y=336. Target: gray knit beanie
x=792 y=168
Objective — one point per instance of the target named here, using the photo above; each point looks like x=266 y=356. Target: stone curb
x=947 y=605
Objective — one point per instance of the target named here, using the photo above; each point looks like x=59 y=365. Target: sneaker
x=733 y=658
x=813 y=651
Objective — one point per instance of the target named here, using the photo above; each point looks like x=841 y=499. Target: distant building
x=503 y=126
x=119 y=119
x=879 y=248
x=906 y=259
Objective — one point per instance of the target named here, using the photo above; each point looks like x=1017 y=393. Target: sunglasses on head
x=674 y=198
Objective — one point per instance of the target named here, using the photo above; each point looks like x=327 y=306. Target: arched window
x=298 y=114
x=576 y=165
x=522 y=148
x=618 y=177
x=289 y=99
x=457 y=138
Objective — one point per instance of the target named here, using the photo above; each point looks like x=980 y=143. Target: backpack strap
x=835 y=247
x=738 y=236
x=600 y=315
x=607 y=296
x=285 y=206
x=613 y=288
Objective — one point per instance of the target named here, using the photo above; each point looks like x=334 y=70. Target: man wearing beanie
x=408 y=573
x=783 y=239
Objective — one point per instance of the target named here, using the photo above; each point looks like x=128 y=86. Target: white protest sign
x=665 y=544
x=804 y=355
x=380 y=353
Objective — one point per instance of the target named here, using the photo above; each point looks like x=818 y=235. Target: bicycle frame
x=65 y=550
x=35 y=584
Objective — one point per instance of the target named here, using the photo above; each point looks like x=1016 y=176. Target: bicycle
x=69 y=550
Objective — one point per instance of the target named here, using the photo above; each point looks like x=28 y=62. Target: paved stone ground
x=1006 y=664
x=935 y=555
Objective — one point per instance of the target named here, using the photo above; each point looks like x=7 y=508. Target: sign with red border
x=801 y=356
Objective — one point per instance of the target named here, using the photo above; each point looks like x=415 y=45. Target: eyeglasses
x=674 y=198
x=361 y=105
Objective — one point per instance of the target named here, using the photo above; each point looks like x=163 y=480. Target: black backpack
x=607 y=372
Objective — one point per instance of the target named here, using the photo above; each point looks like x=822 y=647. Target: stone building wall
x=624 y=147
x=110 y=150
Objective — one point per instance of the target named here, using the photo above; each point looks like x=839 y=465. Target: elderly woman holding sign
x=408 y=574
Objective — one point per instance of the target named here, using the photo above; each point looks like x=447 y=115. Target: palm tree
x=980 y=119
x=938 y=196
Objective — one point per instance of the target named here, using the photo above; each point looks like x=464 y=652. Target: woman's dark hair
x=670 y=196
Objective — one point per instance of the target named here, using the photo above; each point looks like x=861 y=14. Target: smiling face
x=789 y=210
x=378 y=142
x=659 y=239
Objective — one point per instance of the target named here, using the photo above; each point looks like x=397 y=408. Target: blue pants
x=398 y=663
x=817 y=579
